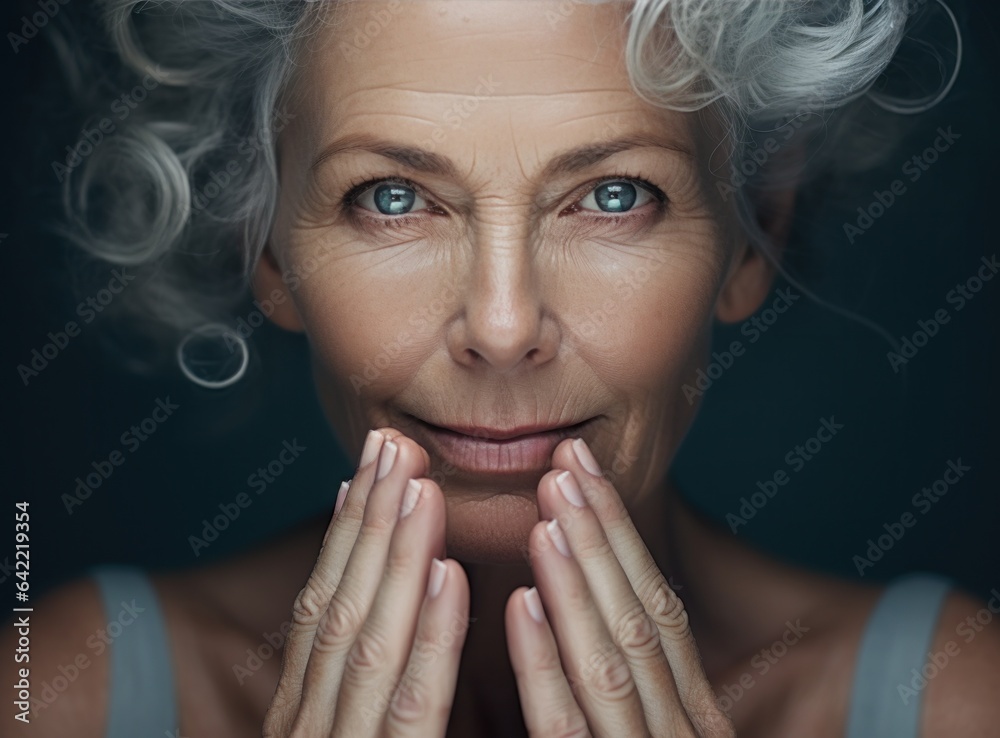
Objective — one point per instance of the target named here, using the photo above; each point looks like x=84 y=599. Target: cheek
x=644 y=329
x=372 y=340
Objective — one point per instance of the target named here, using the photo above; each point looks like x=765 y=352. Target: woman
x=506 y=229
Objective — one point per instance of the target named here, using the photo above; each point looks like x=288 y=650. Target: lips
x=495 y=451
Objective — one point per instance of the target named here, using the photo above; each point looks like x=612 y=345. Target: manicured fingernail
x=534 y=604
x=410 y=498
x=386 y=459
x=585 y=457
x=436 y=580
x=373 y=442
x=557 y=536
x=570 y=490
x=344 y=486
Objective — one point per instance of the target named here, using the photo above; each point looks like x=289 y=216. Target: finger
x=633 y=630
x=660 y=600
x=313 y=599
x=547 y=701
x=399 y=460
x=595 y=667
x=421 y=705
x=378 y=656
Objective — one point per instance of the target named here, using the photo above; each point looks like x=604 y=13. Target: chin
x=490 y=529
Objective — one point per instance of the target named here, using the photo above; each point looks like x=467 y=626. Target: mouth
x=498 y=451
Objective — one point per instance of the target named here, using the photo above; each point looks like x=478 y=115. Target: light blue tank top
x=143 y=702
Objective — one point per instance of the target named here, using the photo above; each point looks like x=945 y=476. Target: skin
x=497 y=292
x=520 y=276
x=516 y=262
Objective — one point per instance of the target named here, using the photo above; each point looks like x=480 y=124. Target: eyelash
x=358 y=187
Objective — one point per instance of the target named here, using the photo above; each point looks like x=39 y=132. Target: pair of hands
x=379 y=627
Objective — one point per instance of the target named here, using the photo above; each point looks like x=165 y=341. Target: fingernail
x=585 y=457
x=410 y=498
x=570 y=490
x=558 y=538
x=386 y=459
x=534 y=604
x=344 y=486
x=373 y=441
x=436 y=580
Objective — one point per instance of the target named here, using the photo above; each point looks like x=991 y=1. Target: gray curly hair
x=223 y=70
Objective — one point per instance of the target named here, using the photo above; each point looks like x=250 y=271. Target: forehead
x=532 y=73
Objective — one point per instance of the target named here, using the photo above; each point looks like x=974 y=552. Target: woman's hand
x=619 y=658
x=371 y=653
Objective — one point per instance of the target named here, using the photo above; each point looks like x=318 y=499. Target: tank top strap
x=897 y=638
x=141 y=692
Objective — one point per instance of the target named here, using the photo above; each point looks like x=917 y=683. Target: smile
x=495 y=451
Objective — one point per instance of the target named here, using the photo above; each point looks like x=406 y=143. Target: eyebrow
x=422 y=160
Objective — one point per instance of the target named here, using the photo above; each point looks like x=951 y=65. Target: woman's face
x=531 y=244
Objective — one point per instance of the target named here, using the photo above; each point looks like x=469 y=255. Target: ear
x=751 y=273
x=268 y=285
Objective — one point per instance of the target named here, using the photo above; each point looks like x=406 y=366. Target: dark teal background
x=899 y=431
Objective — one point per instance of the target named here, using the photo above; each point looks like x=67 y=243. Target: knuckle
x=610 y=679
x=668 y=612
x=311 y=602
x=613 y=511
x=353 y=512
x=593 y=546
x=567 y=725
x=367 y=656
x=398 y=565
x=376 y=524
x=338 y=626
x=410 y=703
x=637 y=634
x=544 y=663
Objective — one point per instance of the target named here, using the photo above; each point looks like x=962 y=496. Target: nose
x=505 y=322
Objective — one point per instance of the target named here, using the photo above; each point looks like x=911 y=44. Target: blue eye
x=616 y=196
x=389 y=198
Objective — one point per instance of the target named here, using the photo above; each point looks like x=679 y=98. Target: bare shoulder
x=962 y=681
x=67 y=663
